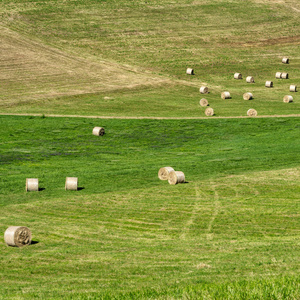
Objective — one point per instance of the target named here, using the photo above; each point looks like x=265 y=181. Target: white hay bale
x=225 y=95
x=269 y=84
x=287 y=99
x=278 y=75
x=203 y=102
x=17 y=236
x=209 y=112
x=203 y=90
x=248 y=96
x=32 y=184
x=71 y=184
x=99 y=131
x=293 y=88
x=252 y=112
x=284 y=75
x=250 y=79
x=190 y=71
x=163 y=173
x=176 y=177
x=285 y=60
x=237 y=76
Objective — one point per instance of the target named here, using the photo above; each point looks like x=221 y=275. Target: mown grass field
x=230 y=232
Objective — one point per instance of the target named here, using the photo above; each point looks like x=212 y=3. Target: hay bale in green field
x=17 y=236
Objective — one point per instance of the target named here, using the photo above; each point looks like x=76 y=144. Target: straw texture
x=71 y=184
x=203 y=102
x=252 y=112
x=164 y=173
x=237 y=76
x=250 y=79
x=209 y=112
x=287 y=99
x=225 y=95
x=269 y=84
x=293 y=88
x=189 y=71
x=17 y=236
x=32 y=184
x=203 y=90
x=247 y=96
x=176 y=177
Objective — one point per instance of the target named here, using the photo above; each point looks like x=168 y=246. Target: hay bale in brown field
x=99 y=131
x=203 y=90
x=284 y=75
x=164 y=173
x=32 y=184
x=269 y=84
x=278 y=75
x=237 y=76
x=225 y=95
x=203 y=102
x=250 y=79
x=176 y=177
x=293 y=88
x=248 y=96
x=287 y=99
x=17 y=236
x=190 y=71
x=71 y=184
x=209 y=112
x=252 y=112
x=285 y=60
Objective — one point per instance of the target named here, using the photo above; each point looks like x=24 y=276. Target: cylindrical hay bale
x=293 y=88
x=225 y=95
x=17 y=236
x=278 y=75
x=176 y=177
x=190 y=71
x=250 y=79
x=204 y=90
x=237 y=76
x=163 y=173
x=252 y=112
x=287 y=99
x=285 y=60
x=269 y=84
x=209 y=112
x=284 y=75
x=32 y=184
x=247 y=96
x=98 y=131
x=71 y=184
x=203 y=102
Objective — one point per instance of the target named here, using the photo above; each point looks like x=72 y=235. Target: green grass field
x=231 y=231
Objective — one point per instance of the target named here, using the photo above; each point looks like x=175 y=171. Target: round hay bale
x=293 y=88
x=225 y=95
x=209 y=112
x=285 y=75
x=203 y=90
x=17 y=236
x=99 y=131
x=269 y=84
x=203 y=102
x=163 y=173
x=287 y=99
x=278 y=75
x=285 y=60
x=252 y=112
x=248 y=96
x=176 y=177
x=32 y=184
x=237 y=76
x=190 y=71
x=250 y=79
x=71 y=184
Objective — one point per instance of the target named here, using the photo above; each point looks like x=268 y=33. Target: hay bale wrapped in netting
x=17 y=236
x=237 y=76
x=278 y=75
x=285 y=75
x=248 y=96
x=203 y=90
x=293 y=88
x=32 y=184
x=225 y=95
x=71 y=184
x=287 y=99
x=250 y=79
x=269 y=84
x=209 y=112
x=252 y=112
x=176 y=177
x=99 y=131
x=285 y=60
x=190 y=71
x=164 y=173
x=203 y=102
